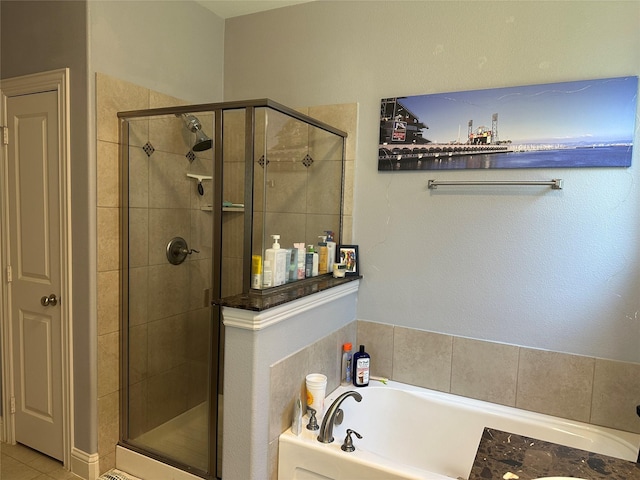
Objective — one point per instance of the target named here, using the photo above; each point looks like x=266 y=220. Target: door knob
x=50 y=300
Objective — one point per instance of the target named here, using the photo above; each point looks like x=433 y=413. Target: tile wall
x=169 y=323
x=586 y=389
x=287 y=382
x=297 y=189
x=345 y=118
x=160 y=316
x=233 y=191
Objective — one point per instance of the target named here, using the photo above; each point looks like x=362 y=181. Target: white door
x=35 y=283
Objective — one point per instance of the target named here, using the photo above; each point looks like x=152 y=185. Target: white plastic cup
x=316 y=391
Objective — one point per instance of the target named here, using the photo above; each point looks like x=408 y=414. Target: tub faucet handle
x=313 y=423
x=347 y=446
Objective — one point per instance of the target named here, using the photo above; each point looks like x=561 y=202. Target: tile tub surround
x=471 y=368
x=587 y=389
x=287 y=381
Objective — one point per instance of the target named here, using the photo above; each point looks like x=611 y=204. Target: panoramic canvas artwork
x=587 y=123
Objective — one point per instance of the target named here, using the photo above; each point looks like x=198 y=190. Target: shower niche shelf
x=232 y=208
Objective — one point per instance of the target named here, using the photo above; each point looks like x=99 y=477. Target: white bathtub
x=415 y=433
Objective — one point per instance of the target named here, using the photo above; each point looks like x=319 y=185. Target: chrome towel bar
x=555 y=184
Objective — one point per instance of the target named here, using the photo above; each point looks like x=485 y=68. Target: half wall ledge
x=277 y=296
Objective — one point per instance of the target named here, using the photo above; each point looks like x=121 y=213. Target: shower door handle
x=50 y=300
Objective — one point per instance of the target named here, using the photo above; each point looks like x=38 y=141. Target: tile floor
x=18 y=462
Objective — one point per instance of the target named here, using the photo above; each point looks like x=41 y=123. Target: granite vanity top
x=262 y=300
x=502 y=452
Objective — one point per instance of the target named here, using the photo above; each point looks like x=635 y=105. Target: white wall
x=37 y=37
x=557 y=270
x=173 y=47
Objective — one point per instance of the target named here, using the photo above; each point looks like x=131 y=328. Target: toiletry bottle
x=296 y=423
x=314 y=270
x=301 y=259
x=308 y=262
x=361 y=364
x=256 y=271
x=346 y=364
x=323 y=260
x=267 y=275
x=292 y=255
x=331 y=251
x=278 y=258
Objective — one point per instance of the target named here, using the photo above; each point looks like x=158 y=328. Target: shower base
x=184 y=436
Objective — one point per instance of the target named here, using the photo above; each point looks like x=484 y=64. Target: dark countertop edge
x=500 y=452
x=259 y=300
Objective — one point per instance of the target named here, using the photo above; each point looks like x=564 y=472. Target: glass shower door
x=170 y=329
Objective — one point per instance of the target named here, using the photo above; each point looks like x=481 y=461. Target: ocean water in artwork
x=596 y=156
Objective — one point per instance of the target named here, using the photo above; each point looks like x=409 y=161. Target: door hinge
x=13 y=405
x=9 y=274
x=5 y=135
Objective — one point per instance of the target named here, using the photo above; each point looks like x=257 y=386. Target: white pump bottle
x=277 y=258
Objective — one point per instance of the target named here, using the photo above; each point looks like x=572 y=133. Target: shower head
x=202 y=141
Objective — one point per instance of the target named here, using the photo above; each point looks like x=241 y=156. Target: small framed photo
x=348 y=254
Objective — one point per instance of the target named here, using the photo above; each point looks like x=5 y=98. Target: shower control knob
x=177 y=250
x=50 y=300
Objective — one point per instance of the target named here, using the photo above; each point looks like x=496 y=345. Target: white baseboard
x=85 y=465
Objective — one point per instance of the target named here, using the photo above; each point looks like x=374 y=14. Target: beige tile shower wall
x=157 y=318
x=345 y=118
x=591 y=390
x=111 y=96
x=233 y=175
x=303 y=219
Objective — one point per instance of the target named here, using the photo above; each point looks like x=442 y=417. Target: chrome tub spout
x=326 y=430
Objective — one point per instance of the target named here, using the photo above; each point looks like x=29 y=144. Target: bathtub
x=414 y=433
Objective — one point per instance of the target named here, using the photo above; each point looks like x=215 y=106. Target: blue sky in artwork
x=590 y=111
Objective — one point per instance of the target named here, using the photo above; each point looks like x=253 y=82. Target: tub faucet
x=326 y=430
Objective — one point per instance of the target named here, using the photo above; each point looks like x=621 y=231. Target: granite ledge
x=262 y=300
x=502 y=452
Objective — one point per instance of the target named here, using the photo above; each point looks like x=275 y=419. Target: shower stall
x=203 y=187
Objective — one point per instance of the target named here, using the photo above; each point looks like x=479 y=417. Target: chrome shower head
x=202 y=141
